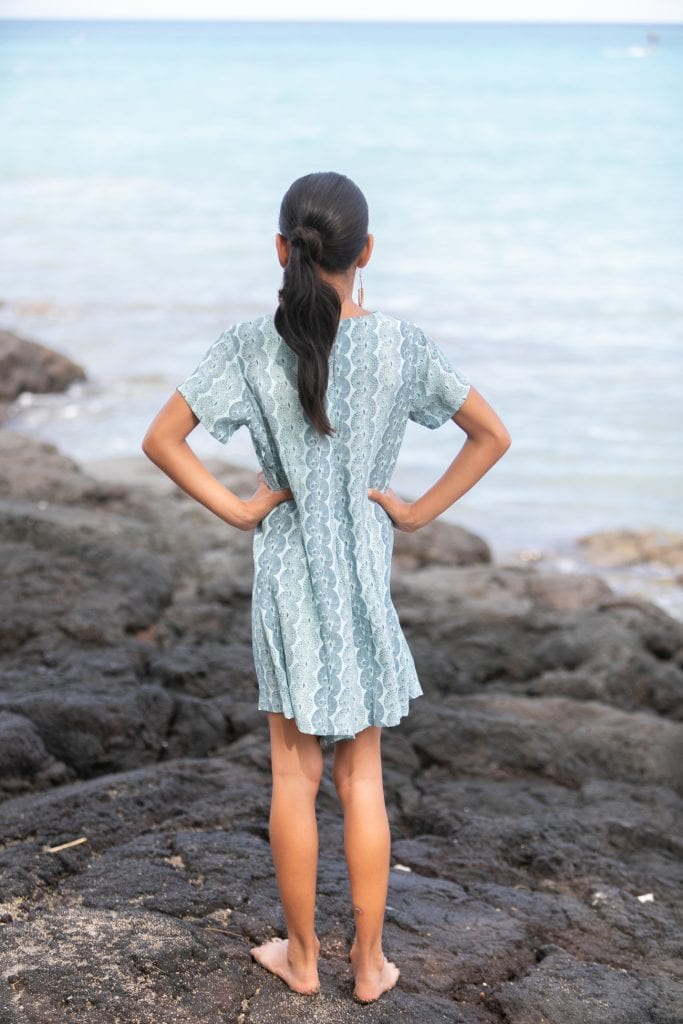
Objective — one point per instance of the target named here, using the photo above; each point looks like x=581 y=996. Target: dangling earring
x=361 y=292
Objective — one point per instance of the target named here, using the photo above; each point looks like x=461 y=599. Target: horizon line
x=340 y=21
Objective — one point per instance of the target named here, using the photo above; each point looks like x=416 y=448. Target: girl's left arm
x=166 y=446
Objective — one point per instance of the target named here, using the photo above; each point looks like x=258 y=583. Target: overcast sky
x=650 y=11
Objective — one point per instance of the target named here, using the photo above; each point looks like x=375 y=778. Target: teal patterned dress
x=328 y=647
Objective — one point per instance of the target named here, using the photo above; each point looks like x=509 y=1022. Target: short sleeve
x=438 y=390
x=216 y=390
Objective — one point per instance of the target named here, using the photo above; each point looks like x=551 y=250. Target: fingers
x=284 y=494
x=382 y=498
x=277 y=493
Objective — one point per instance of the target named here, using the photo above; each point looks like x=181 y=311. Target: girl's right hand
x=263 y=500
x=400 y=512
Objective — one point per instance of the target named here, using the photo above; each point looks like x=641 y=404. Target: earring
x=361 y=292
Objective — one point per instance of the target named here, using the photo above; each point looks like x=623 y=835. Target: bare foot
x=372 y=980
x=274 y=956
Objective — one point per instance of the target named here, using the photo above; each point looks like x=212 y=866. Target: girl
x=326 y=388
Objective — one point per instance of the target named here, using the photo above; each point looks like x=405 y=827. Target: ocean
x=524 y=185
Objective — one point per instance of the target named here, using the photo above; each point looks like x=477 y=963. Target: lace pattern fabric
x=328 y=647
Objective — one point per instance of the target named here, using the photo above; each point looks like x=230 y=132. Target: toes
x=268 y=942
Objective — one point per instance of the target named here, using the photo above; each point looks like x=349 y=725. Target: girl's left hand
x=263 y=500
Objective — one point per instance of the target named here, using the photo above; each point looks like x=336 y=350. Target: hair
x=324 y=216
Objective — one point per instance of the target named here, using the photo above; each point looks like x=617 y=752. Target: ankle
x=368 y=954
x=304 y=948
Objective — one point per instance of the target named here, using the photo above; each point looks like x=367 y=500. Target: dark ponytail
x=324 y=216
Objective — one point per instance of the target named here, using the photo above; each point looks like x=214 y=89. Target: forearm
x=180 y=463
x=474 y=459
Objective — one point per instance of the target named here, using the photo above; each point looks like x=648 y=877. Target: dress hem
x=327 y=739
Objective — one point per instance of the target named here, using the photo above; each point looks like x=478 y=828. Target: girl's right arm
x=487 y=441
x=166 y=446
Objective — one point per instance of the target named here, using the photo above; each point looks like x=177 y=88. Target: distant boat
x=644 y=49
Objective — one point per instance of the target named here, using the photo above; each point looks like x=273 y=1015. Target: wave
x=629 y=51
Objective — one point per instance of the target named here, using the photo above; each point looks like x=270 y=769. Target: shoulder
x=248 y=328
x=407 y=328
x=391 y=324
x=241 y=336
x=408 y=336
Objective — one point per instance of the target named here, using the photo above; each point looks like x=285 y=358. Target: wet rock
x=439 y=543
x=27 y=366
x=32 y=470
x=631 y=547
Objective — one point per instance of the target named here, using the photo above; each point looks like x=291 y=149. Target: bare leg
x=297 y=765
x=367 y=843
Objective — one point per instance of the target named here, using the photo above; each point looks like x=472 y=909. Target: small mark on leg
x=359 y=910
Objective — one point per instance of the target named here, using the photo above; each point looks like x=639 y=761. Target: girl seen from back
x=325 y=388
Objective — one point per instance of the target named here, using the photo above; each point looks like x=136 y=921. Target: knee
x=306 y=779
x=364 y=786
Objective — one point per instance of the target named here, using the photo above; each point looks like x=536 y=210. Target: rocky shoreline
x=28 y=366
x=534 y=790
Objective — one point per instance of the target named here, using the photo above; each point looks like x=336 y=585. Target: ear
x=282 y=246
x=366 y=252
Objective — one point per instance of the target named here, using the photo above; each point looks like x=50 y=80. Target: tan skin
x=296 y=757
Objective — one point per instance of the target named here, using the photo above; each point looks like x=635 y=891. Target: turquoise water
x=524 y=189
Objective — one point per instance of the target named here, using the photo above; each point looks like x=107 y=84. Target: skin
x=296 y=757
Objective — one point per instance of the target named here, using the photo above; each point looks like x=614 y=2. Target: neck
x=343 y=284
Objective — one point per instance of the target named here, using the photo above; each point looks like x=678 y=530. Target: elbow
x=504 y=440
x=149 y=445
x=497 y=439
x=158 y=446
